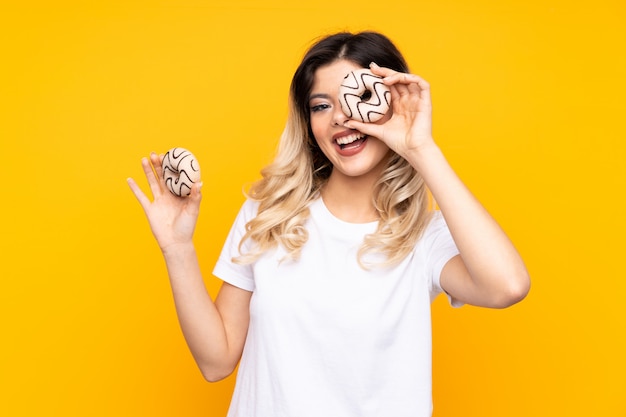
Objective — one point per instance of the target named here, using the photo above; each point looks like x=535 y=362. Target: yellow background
x=529 y=107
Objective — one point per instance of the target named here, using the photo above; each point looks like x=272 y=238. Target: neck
x=350 y=198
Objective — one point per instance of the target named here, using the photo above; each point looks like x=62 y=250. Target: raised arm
x=489 y=271
x=215 y=331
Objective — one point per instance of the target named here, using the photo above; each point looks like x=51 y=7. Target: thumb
x=196 y=192
x=192 y=204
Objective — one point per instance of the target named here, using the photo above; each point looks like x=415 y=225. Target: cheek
x=318 y=137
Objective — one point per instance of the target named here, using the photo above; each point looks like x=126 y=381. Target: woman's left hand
x=410 y=125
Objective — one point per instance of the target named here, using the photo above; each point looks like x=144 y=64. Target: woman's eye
x=319 y=107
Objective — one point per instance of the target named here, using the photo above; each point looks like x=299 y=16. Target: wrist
x=178 y=249
x=423 y=155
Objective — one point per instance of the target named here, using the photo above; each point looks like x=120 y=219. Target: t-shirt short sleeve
x=241 y=276
x=441 y=248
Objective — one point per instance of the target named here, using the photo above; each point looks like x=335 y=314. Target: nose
x=339 y=117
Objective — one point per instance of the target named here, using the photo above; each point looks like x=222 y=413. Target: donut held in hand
x=363 y=96
x=180 y=171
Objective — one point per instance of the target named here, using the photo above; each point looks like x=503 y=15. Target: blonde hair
x=287 y=187
x=300 y=169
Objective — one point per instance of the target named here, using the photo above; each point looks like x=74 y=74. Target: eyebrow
x=319 y=95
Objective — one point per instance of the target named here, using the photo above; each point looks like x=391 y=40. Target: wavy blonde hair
x=300 y=169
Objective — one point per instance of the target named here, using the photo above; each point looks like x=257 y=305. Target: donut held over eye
x=180 y=171
x=363 y=96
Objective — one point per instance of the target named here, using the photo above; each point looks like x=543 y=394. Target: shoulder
x=250 y=207
x=248 y=210
x=435 y=227
x=436 y=242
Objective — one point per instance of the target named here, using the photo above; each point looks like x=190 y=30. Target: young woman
x=332 y=263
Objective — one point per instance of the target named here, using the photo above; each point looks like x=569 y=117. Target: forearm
x=215 y=342
x=199 y=318
x=494 y=265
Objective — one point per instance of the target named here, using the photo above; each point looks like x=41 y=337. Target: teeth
x=344 y=140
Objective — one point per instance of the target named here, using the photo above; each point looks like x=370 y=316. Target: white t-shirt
x=328 y=338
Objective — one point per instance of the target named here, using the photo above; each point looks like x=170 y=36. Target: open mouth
x=354 y=139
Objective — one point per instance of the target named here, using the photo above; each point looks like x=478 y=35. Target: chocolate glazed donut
x=363 y=96
x=180 y=171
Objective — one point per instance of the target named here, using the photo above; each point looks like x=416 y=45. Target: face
x=351 y=153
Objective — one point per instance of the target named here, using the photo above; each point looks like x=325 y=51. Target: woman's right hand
x=215 y=332
x=172 y=219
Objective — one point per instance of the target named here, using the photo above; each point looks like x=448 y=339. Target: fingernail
x=373 y=64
